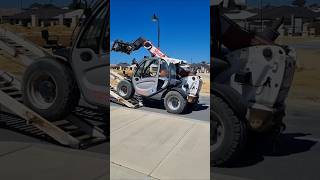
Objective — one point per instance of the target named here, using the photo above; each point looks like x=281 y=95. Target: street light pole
x=157 y=19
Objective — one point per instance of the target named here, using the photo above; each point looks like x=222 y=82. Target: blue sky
x=184 y=25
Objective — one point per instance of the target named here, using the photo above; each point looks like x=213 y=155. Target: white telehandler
x=159 y=78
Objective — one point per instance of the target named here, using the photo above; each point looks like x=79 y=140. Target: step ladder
x=81 y=129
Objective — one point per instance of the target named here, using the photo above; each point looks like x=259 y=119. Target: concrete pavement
x=149 y=145
x=22 y=161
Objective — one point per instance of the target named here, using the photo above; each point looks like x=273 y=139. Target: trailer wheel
x=49 y=89
x=174 y=102
x=125 y=89
x=228 y=133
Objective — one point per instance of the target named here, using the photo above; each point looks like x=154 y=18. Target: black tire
x=174 y=102
x=231 y=130
x=50 y=89
x=125 y=89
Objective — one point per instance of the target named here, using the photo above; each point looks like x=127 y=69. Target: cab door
x=90 y=56
x=145 y=79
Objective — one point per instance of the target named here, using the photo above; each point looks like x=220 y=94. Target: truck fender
x=183 y=93
x=55 y=58
x=232 y=98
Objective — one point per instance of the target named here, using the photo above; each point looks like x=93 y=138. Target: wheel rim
x=217 y=131
x=123 y=91
x=174 y=103
x=43 y=90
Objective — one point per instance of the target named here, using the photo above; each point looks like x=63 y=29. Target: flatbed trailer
x=84 y=127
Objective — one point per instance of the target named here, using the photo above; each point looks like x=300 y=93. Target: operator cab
x=153 y=76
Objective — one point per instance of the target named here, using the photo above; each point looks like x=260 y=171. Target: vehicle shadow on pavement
x=160 y=105
x=198 y=107
x=286 y=144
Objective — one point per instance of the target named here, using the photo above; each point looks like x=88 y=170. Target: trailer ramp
x=84 y=127
x=114 y=97
x=131 y=103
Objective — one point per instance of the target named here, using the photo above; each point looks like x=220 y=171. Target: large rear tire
x=174 y=102
x=228 y=133
x=50 y=89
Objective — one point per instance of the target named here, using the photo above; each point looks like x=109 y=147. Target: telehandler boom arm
x=128 y=48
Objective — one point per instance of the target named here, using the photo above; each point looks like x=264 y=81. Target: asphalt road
x=201 y=111
x=296 y=156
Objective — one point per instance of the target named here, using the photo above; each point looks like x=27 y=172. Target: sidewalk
x=23 y=161
x=147 y=145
